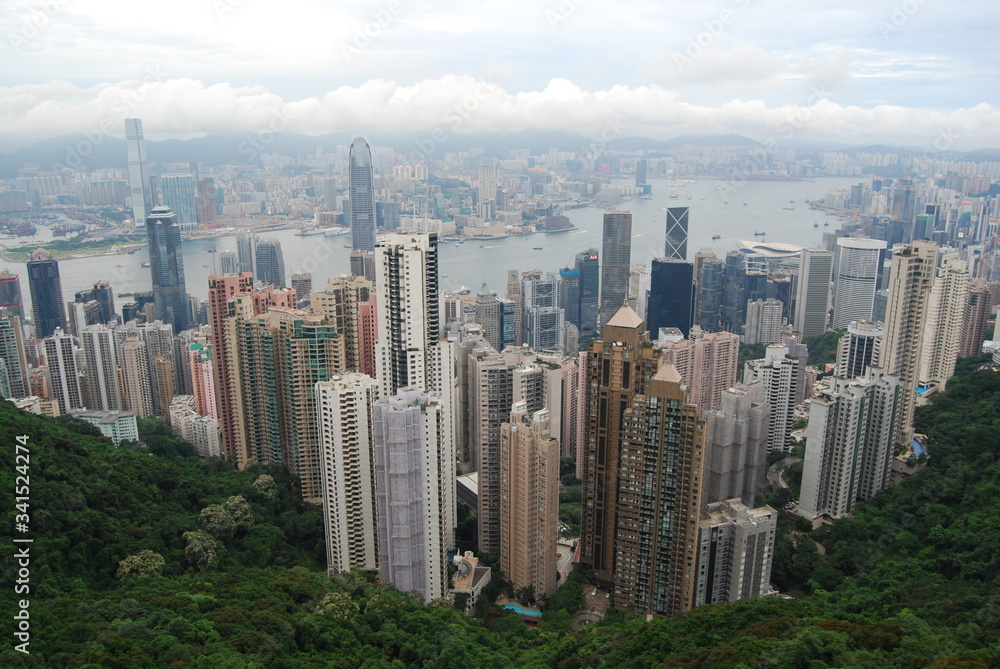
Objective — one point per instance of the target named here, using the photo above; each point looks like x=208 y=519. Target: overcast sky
x=908 y=72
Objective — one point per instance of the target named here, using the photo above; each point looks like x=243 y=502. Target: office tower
x=849 y=443
x=858 y=349
x=813 y=296
x=104 y=294
x=206 y=204
x=736 y=437
x=166 y=264
x=136 y=310
x=46 y=293
x=764 y=322
x=659 y=483
x=640 y=171
x=904 y=200
x=703 y=254
x=100 y=355
x=543 y=320
x=487 y=189
x=617 y=368
x=514 y=295
x=270 y=263
x=387 y=215
x=910 y=282
x=229 y=263
x=363 y=264
x=707 y=363
x=923 y=227
x=489 y=315
x=344 y=404
x=179 y=195
x=617 y=254
x=343 y=301
x=710 y=289
x=589 y=265
x=943 y=324
x=362 y=193
x=857 y=275
x=286 y=352
x=569 y=295
x=735 y=548
x=246 y=249
x=135 y=377
x=529 y=494
x=779 y=375
x=302 y=285
x=779 y=287
x=10 y=294
x=639 y=277
x=672 y=293
x=199 y=357
x=140 y=189
x=13 y=356
x=676 y=246
x=734 y=293
x=414 y=491
x=977 y=310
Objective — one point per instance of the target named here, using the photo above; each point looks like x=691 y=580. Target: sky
x=918 y=73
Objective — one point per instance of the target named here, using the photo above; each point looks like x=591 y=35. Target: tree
x=264 y=484
x=217 y=520
x=201 y=550
x=144 y=563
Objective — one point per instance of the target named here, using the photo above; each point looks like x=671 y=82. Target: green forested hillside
x=910 y=582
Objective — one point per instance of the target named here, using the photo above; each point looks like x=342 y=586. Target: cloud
x=457 y=104
x=708 y=64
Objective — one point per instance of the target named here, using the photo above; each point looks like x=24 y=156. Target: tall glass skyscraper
x=589 y=265
x=140 y=189
x=671 y=296
x=179 y=195
x=617 y=256
x=46 y=293
x=677 y=233
x=166 y=264
x=362 y=194
x=270 y=263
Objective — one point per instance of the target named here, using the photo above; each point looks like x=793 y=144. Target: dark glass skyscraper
x=45 y=287
x=270 y=263
x=677 y=233
x=362 y=194
x=10 y=294
x=671 y=296
x=166 y=264
x=617 y=256
x=710 y=294
x=589 y=265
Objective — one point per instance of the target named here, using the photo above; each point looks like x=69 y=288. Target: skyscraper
x=910 y=282
x=943 y=325
x=813 y=297
x=136 y=377
x=344 y=404
x=166 y=264
x=45 y=287
x=856 y=279
x=100 y=354
x=13 y=356
x=707 y=362
x=977 y=309
x=735 y=547
x=179 y=195
x=736 y=444
x=849 y=443
x=858 y=349
x=529 y=494
x=778 y=375
x=140 y=189
x=589 y=264
x=270 y=263
x=617 y=254
x=342 y=301
x=710 y=287
x=246 y=249
x=671 y=296
x=10 y=294
x=362 y=193
x=764 y=322
x=302 y=285
x=64 y=379
x=677 y=233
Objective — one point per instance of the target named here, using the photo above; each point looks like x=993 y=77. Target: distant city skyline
x=918 y=73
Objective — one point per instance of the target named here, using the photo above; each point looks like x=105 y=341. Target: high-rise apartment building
x=207 y=204
x=660 y=481
x=100 y=355
x=764 y=322
x=45 y=287
x=618 y=366
x=140 y=188
x=617 y=254
x=708 y=364
x=302 y=285
x=736 y=436
x=529 y=499
x=910 y=281
x=943 y=326
x=858 y=349
x=813 y=297
x=14 y=357
x=64 y=378
x=362 y=193
x=677 y=233
x=270 y=263
x=778 y=375
x=414 y=491
x=166 y=264
x=856 y=280
x=343 y=300
x=136 y=379
x=345 y=404
x=735 y=551
x=849 y=443
x=977 y=310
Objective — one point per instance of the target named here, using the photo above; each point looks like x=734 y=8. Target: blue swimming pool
x=517 y=608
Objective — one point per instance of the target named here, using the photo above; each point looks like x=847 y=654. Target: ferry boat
x=716 y=236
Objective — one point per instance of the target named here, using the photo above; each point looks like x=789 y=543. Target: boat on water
x=716 y=236
x=789 y=208
x=815 y=225
x=333 y=232
x=720 y=188
x=538 y=248
x=125 y=294
x=144 y=264
x=306 y=233
x=758 y=233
